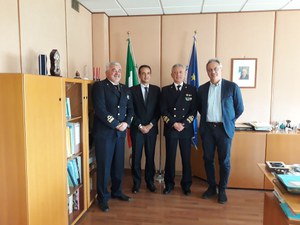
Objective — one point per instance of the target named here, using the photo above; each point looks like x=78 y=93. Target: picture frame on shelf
x=243 y=72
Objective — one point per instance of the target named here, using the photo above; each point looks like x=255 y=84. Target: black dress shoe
x=123 y=197
x=151 y=188
x=104 y=206
x=187 y=192
x=167 y=190
x=211 y=191
x=135 y=190
x=222 y=197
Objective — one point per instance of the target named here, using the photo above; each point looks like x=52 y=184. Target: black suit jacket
x=178 y=107
x=111 y=108
x=145 y=113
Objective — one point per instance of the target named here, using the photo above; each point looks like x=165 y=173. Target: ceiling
x=163 y=7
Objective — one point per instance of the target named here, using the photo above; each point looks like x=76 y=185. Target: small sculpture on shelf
x=55 y=63
x=77 y=75
x=288 y=124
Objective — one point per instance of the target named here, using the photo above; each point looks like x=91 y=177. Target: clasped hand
x=145 y=129
x=178 y=126
x=122 y=126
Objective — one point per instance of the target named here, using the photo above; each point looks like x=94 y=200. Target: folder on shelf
x=75 y=171
x=72 y=137
x=68 y=141
x=68 y=108
x=72 y=173
x=290 y=182
x=76 y=137
x=288 y=212
x=78 y=164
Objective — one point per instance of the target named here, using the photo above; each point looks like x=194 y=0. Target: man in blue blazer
x=220 y=103
x=144 y=129
x=113 y=114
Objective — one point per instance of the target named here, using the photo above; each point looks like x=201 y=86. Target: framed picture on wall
x=243 y=72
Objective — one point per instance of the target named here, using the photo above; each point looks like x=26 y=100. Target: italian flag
x=131 y=78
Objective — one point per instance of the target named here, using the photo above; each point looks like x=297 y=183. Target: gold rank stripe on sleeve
x=110 y=118
x=190 y=119
x=166 y=119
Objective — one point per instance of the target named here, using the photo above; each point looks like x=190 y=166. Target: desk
x=248 y=149
x=273 y=213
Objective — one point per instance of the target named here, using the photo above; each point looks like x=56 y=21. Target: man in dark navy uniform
x=178 y=110
x=113 y=114
x=144 y=128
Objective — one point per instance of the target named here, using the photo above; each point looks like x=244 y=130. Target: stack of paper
x=243 y=126
x=261 y=126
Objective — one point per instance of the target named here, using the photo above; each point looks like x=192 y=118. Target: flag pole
x=192 y=55
x=128 y=132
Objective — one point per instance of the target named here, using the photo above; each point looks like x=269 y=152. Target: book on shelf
x=70 y=204
x=68 y=108
x=289 y=212
x=76 y=200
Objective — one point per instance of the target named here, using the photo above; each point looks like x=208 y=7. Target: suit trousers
x=214 y=138
x=110 y=165
x=185 y=152
x=140 y=140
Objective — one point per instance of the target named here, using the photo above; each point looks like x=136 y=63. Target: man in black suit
x=113 y=114
x=178 y=110
x=144 y=128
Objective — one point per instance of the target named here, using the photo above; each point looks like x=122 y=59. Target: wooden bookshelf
x=32 y=167
x=74 y=90
x=33 y=156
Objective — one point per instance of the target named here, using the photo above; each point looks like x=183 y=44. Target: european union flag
x=192 y=79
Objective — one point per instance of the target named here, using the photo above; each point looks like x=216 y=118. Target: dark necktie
x=178 y=87
x=146 y=94
x=117 y=87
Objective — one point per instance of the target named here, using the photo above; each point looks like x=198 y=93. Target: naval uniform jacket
x=112 y=106
x=178 y=106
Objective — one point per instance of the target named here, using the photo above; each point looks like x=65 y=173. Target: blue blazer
x=232 y=105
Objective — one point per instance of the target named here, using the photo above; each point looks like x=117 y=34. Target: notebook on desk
x=290 y=182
